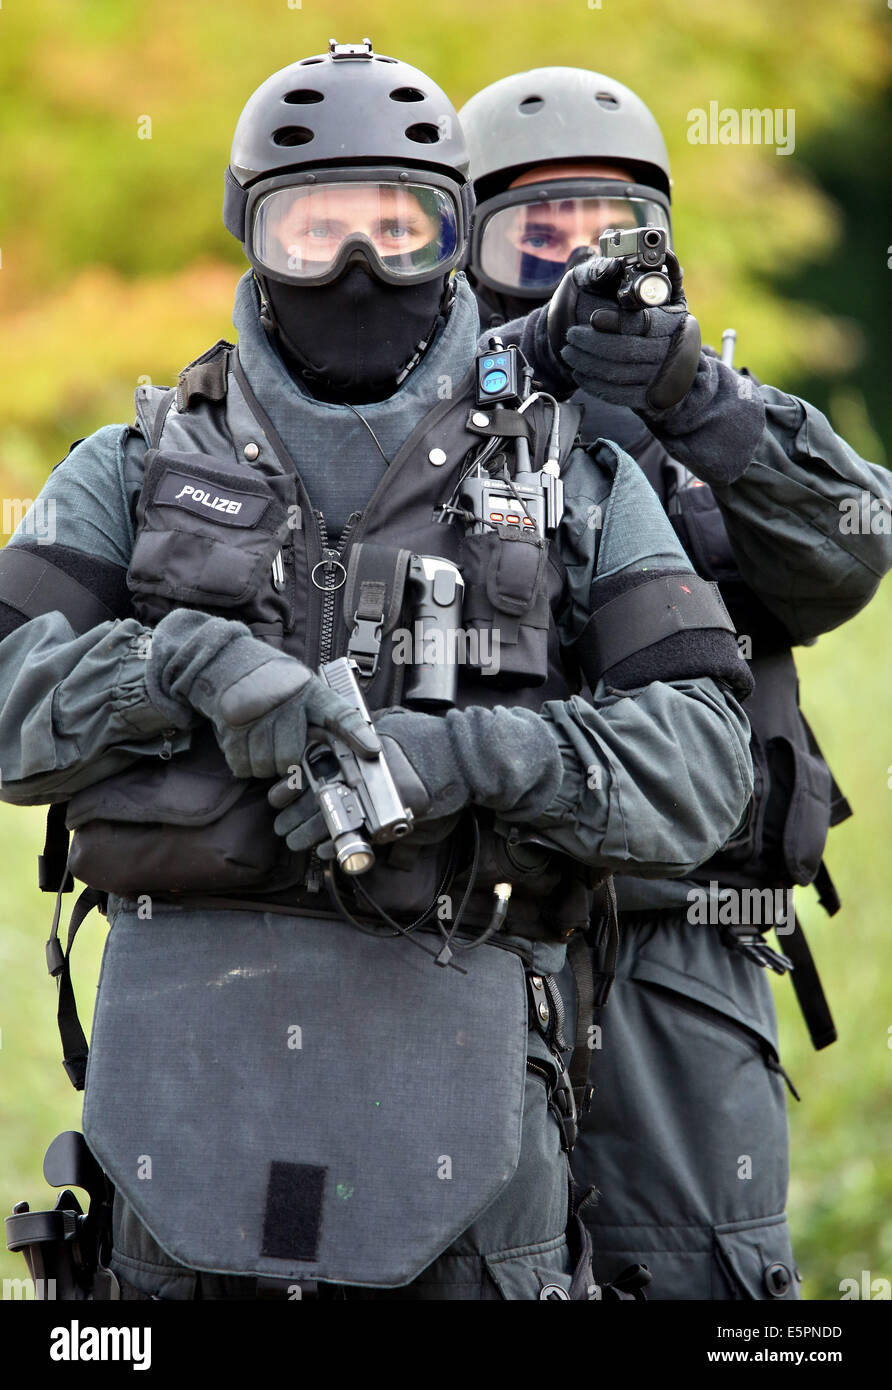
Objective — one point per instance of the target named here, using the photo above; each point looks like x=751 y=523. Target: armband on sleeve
x=56 y=578
x=664 y=625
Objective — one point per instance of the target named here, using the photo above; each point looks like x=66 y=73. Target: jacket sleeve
x=74 y=703
x=657 y=776
x=810 y=522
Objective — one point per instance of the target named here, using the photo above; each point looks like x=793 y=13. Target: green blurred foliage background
x=115 y=267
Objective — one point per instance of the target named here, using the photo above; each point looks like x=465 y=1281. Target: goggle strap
x=235 y=204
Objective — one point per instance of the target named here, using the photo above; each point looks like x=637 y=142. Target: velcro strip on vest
x=33 y=586
x=293 y=1217
x=205 y=378
x=645 y=615
x=500 y=420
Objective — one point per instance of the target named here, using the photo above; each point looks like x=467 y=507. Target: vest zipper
x=330 y=556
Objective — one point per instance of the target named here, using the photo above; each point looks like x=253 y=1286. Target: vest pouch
x=208 y=534
x=405 y=877
x=181 y=825
x=286 y=1097
x=506 y=608
x=797 y=816
x=700 y=527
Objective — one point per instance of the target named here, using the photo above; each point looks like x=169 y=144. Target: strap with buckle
x=364 y=644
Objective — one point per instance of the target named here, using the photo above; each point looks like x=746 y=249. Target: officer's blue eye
x=397 y=231
x=538 y=240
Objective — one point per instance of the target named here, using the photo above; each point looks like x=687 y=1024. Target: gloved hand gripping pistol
x=357 y=796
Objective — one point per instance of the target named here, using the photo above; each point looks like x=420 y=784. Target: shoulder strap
x=52 y=866
x=593 y=962
x=74 y=1043
x=809 y=990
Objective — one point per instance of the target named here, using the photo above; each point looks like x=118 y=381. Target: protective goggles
x=523 y=239
x=410 y=225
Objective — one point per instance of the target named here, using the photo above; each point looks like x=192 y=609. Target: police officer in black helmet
x=687 y=1140
x=302 y=1082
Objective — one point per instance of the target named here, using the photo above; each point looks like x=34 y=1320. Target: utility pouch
x=214 y=536
x=506 y=606
x=797 y=816
x=374 y=593
x=179 y=825
x=269 y=1092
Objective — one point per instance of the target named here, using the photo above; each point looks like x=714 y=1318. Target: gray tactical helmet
x=349 y=106
x=548 y=115
x=526 y=237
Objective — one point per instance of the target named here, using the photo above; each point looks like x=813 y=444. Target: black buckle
x=365 y=643
x=564 y=1102
x=750 y=944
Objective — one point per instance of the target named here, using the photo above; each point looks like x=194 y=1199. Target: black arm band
x=55 y=578
x=670 y=625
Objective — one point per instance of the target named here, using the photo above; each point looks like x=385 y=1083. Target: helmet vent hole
x=304 y=62
x=530 y=105
x=423 y=133
x=379 y=58
x=607 y=100
x=292 y=135
x=304 y=97
x=407 y=94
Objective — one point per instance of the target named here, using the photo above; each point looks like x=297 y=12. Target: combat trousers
x=686 y=1140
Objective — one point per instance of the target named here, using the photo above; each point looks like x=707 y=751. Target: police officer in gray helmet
x=687 y=1138
x=328 y=1056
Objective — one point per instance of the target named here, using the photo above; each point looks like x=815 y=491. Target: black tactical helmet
x=348 y=107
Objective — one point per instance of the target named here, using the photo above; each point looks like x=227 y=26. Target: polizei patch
x=215 y=501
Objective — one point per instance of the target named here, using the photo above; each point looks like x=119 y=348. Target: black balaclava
x=351 y=339
x=497 y=307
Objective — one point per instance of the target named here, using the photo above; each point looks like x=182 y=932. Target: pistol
x=357 y=796
x=643 y=249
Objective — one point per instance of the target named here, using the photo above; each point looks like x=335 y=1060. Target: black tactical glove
x=645 y=359
x=259 y=701
x=504 y=759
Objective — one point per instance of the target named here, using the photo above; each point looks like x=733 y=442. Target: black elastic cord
x=398 y=929
x=477 y=461
x=369 y=428
x=446 y=953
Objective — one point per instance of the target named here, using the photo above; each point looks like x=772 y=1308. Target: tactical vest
x=224 y=524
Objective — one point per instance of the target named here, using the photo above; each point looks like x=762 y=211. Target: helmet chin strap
x=280 y=339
